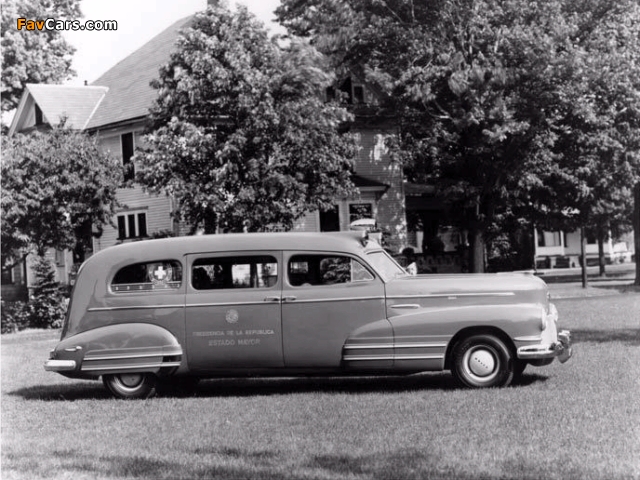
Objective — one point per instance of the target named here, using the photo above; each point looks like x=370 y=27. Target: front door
x=233 y=311
x=325 y=298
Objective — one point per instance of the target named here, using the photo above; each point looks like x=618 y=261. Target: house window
x=360 y=210
x=7 y=276
x=330 y=220
x=127 y=153
x=549 y=239
x=132 y=225
x=60 y=258
x=358 y=94
x=38 y=115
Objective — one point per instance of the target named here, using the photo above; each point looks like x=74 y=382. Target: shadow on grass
x=628 y=336
x=248 y=387
x=626 y=288
x=86 y=390
x=276 y=464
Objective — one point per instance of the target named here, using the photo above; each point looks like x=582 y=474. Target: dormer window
x=38 y=115
x=348 y=92
x=358 y=94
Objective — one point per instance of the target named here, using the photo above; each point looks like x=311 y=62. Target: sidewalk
x=620 y=271
x=567 y=282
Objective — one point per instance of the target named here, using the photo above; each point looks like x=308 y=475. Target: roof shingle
x=74 y=103
x=130 y=93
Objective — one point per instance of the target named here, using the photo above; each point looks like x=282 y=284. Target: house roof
x=56 y=102
x=364 y=182
x=130 y=93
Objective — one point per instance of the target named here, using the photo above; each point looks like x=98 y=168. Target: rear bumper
x=59 y=365
x=560 y=349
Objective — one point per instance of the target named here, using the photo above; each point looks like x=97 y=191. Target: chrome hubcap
x=481 y=363
x=130 y=380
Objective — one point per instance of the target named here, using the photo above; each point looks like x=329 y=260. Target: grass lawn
x=580 y=420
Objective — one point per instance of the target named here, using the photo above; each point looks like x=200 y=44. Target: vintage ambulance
x=168 y=312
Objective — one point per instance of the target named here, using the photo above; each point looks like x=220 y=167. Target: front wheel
x=483 y=361
x=130 y=385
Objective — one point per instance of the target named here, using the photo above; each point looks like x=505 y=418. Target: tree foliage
x=34 y=56
x=239 y=135
x=58 y=188
x=514 y=109
x=47 y=305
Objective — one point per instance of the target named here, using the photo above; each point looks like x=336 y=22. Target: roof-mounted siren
x=368 y=227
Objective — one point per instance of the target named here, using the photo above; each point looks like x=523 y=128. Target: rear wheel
x=130 y=385
x=483 y=361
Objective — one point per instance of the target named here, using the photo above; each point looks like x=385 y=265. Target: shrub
x=47 y=305
x=14 y=316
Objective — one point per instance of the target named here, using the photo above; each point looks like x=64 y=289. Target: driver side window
x=327 y=269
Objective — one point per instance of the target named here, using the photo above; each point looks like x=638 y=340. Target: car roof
x=347 y=242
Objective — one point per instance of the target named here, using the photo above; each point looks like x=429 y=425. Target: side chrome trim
x=406 y=305
x=341 y=299
x=394 y=345
x=124 y=357
x=351 y=358
x=89 y=368
x=419 y=357
x=132 y=307
x=453 y=295
x=231 y=304
x=368 y=347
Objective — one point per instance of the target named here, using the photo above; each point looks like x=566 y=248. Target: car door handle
x=288 y=299
x=272 y=299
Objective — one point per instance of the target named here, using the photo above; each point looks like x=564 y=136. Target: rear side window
x=255 y=271
x=149 y=276
x=307 y=270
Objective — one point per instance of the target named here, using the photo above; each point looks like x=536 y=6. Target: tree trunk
x=601 y=262
x=583 y=254
x=476 y=250
x=636 y=231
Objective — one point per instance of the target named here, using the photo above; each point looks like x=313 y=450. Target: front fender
x=440 y=323
x=121 y=348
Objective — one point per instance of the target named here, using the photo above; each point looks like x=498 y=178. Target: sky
x=138 y=22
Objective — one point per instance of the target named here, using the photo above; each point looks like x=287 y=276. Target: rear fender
x=121 y=348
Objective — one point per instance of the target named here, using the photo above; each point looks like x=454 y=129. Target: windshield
x=386 y=266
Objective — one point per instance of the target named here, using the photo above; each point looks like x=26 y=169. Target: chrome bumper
x=59 y=365
x=560 y=349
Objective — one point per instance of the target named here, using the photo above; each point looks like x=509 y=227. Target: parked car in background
x=172 y=311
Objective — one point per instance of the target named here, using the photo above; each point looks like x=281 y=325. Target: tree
x=459 y=77
x=239 y=135
x=636 y=231
x=58 y=189
x=34 y=56
x=47 y=305
x=597 y=128
x=483 y=91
